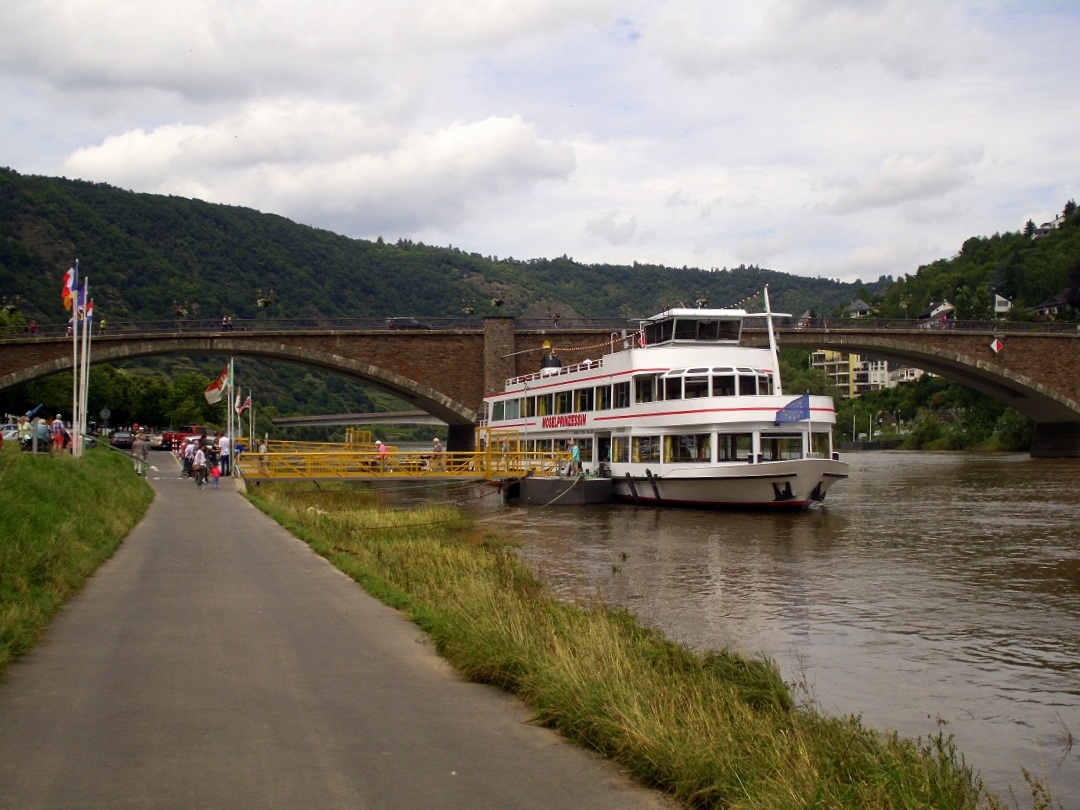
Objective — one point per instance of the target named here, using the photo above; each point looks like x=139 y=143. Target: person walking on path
x=198 y=465
x=225 y=455
x=140 y=449
x=438 y=460
x=57 y=431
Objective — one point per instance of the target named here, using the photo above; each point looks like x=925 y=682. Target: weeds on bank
x=61 y=518
x=716 y=730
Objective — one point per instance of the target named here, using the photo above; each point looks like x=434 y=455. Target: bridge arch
x=1031 y=397
x=421 y=395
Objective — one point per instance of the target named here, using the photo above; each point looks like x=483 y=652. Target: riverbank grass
x=61 y=518
x=715 y=730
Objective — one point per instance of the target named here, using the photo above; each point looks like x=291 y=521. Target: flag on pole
x=90 y=308
x=71 y=286
x=216 y=389
x=240 y=408
x=798 y=410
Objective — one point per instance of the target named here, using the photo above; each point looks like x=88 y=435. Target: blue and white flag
x=798 y=410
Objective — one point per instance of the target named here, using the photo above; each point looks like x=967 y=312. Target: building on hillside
x=937 y=316
x=1048 y=228
x=854 y=375
x=1002 y=306
x=1053 y=308
x=858 y=309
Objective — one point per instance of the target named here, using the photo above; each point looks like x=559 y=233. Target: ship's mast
x=777 y=389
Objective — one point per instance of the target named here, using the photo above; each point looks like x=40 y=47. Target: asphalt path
x=216 y=662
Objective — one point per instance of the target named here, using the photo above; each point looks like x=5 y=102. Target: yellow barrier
x=284 y=460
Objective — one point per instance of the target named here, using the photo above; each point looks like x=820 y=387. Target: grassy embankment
x=716 y=730
x=60 y=518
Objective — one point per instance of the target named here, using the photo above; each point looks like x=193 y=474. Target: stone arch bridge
x=447 y=372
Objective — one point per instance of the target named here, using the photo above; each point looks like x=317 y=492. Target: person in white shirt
x=224 y=455
x=198 y=466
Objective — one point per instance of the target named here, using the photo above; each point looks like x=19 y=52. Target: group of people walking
x=54 y=436
x=205 y=461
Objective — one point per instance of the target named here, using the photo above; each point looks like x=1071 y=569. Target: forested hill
x=142 y=252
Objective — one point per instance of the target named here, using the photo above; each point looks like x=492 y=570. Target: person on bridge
x=437 y=458
x=384 y=454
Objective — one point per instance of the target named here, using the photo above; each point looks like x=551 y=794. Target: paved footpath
x=216 y=662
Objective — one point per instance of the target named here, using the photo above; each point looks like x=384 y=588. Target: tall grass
x=60 y=518
x=715 y=730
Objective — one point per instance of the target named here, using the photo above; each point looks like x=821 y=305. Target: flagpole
x=80 y=429
x=232 y=402
x=75 y=350
x=777 y=388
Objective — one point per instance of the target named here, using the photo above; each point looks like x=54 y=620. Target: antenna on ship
x=777 y=389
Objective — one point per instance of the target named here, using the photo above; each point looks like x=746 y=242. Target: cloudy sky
x=839 y=138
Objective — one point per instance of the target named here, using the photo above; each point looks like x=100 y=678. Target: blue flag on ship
x=798 y=410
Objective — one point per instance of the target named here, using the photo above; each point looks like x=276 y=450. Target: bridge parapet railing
x=212 y=328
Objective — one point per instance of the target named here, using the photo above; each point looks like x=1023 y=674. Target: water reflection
x=930 y=587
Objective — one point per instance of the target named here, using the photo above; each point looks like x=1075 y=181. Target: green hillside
x=144 y=251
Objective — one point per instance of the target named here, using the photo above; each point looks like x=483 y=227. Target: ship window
x=673 y=388
x=708 y=330
x=585 y=448
x=620 y=449
x=513 y=408
x=644 y=449
x=696 y=387
x=530 y=406
x=658 y=332
x=781 y=447
x=697 y=371
x=729 y=330
x=645 y=388
x=683 y=449
x=563 y=402
x=765 y=384
x=820 y=445
x=747 y=385
x=686 y=329
x=621 y=394
x=723 y=385
x=544 y=405
x=734 y=446
x=497 y=411
x=603 y=397
x=583 y=399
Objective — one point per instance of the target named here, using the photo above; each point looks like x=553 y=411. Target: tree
x=1069 y=209
x=1029 y=229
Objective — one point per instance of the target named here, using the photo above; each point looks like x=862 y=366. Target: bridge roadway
x=447 y=372
x=216 y=661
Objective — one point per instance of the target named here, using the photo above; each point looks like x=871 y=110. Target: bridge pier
x=1056 y=440
x=461 y=438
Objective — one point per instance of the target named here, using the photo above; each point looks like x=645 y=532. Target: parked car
x=9 y=431
x=122 y=438
x=406 y=323
x=156 y=442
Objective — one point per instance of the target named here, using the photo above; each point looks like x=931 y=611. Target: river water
x=929 y=592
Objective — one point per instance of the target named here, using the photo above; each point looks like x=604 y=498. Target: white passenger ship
x=679 y=414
